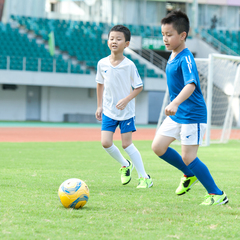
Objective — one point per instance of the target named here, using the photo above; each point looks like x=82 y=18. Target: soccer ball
x=73 y=193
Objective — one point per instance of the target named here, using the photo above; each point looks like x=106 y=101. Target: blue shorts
x=109 y=124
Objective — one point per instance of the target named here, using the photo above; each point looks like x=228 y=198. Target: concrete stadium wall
x=57 y=101
x=60 y=94
x=13 y=104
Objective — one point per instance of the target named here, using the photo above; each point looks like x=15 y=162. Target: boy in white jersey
x=118 y=83
x=186 y=114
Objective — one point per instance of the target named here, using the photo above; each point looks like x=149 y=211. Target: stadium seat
x=228 y=38
x=3 y=62
x=79 y=39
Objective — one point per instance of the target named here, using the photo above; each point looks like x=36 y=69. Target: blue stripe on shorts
x=198 y=127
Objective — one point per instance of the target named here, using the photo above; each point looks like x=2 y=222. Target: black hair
x=123 y=29
x=179 y=20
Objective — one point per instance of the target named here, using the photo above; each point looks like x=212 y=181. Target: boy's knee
x=187 y=159
x=126 y=144
x=157 y=149
x=154 y=147
x=189 y=153
x=107 y=144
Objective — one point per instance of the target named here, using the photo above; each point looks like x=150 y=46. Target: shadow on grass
x=85 y=208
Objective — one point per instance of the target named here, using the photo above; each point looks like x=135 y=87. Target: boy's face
x=116 y=42
x=171 y=38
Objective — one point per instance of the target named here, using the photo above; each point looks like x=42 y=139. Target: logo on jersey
x=188 y=59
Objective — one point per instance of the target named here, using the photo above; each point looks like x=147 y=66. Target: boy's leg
x=108 y=128
x=111 y=149
x=133 y=153
x=145 y=180
x=161 y=147
x=127 y=127
x=191 y=138
x=200 y=170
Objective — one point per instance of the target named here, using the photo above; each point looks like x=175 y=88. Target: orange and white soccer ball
x=73 y=193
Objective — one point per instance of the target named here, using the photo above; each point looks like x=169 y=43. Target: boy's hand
x=98 y=114
x=122 y=104
x=171 y=109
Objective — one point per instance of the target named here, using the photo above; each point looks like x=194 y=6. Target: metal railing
x=21 y=64
x=222 y=48
x=153 y=57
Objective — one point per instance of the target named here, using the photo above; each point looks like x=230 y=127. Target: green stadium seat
x=31 y=68
x=228 y=42
x=80 y=39
x=76 y=69
x=234 y=36
x=3 y=62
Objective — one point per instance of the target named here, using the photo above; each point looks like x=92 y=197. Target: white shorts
x=188 y=134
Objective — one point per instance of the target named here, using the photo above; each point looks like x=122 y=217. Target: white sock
x=114 y=152
x=136 y=158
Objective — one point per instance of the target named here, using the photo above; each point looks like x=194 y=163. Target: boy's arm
x=186 y=92
x=123 y=102
x=98 y=114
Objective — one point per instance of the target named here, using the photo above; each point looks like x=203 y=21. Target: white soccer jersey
x=118 y=82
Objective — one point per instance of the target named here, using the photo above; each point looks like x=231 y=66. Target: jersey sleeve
x=99 y=77
x=135 y=77
x=188 y=70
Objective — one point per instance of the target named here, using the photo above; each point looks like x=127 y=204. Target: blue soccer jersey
x=181 y=71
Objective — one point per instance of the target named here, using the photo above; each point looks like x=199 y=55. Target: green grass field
x=30 y=174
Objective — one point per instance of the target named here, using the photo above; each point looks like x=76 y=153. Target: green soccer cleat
x=145 y=182
x=126 y=173
x=212 y=200
x=185 y=184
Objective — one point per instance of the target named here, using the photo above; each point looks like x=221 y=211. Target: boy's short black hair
x=179 y=20
x=123 y=29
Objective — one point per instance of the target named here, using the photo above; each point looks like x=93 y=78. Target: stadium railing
x=40 y=65
x=154 y=58
x=224 y=44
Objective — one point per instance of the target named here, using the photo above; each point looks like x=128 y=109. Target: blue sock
x=172 y=157
x=202 y=173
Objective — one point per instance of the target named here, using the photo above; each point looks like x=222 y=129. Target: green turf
x=30 y=174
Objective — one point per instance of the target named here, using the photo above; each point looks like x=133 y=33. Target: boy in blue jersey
x=186 y=114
